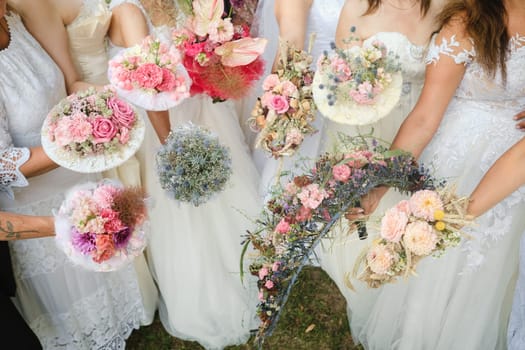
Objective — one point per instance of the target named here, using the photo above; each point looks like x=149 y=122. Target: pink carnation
x=311 y=196
x=103 y=129
x=420 y=238
x=80 y=128
x=424 y=203
x=364 y=93
x=379 y=259
x=148 y=76
x=270 y=82
x=168 y=81
x=62 y=136
x=95 y=225
x=123 y=114
x=103 y=196
x=279 y=104
x=282 y=227
x=341 y=172
x=393 y=224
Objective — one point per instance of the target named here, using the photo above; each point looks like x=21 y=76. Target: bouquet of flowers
x=243 y=11
x=92 y=131
x=359 y=85
x=100 y=226
x=426 y=224
x=151 y=75
x=300 y=213
x=286 y=110
x=221 y=59
x=192 y=165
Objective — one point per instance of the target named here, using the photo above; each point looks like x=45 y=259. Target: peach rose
x=393 y=224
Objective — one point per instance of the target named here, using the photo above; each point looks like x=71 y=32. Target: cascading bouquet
x=301 y=213
x=284 y=114
x=221 y=59
x=192 y=165
x=150 y=75
x=100 y=226
x=427 y=224
x=359 y=85
x=92 y=131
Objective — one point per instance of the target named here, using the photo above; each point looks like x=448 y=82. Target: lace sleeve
x=11 y=158
x=450 y=42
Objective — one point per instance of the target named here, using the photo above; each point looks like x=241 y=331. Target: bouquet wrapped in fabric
x=359 y=85
x=427 y=224
x=302 y=212
x=100 y=226
x=150 y=75
x=192 y=165
x=92 y=131
x=284 y=114
x=222 y=60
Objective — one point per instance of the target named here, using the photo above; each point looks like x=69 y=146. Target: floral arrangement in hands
x=222 y=60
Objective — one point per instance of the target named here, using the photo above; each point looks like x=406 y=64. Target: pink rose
x=393 y=224
x=270 y=82
x=420 y=238
x=103 y=130
x=263 y=273
x=168 y=81
x=148 y=76
x=282 y=227
x=269 y=284
x=124 y=136
x=123 y=114
x=341 y=172
x=279 y=104
x=288 y=88
x=424 y=203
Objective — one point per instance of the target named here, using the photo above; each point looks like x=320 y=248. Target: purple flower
x=121 y=238
x=84 y=242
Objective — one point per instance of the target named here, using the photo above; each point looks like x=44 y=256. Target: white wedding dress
x=322 y=21
x=516 y=331
x=194 y=252
x=67 y=306
x=462 y=300
x=338 y=253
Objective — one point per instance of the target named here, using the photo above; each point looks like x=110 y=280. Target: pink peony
x=420 y=238
x=424 y=203
x=269 y=284
x=279 y=104
x=103 y=130
x=147 y=76
x=270 y=82
x=380 y=259
x=288 y=88
x=341 y=172
x=263 y=273
x=123 y=114
x=168 y=81
x=311 y=196
x=393 y=224
x=282 y=227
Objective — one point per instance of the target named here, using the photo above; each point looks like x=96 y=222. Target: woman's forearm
x=16 y=226
x=160 y=120
x=38 y=163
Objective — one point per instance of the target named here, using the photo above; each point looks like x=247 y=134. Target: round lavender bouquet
x=192 y=165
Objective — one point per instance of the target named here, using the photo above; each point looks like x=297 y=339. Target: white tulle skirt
x=195 y=252
x=516 y=331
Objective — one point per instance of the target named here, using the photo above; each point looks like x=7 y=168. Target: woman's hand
x=521 y=122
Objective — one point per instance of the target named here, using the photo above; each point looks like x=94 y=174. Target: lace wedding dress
x=68 y=307
x=516 y=331
x=88 y=44
x=462 y=300
x=194 y=252
x=338 y=253
x=322 y=21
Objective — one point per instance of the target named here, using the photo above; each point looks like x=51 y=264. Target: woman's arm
x=505 y=176
x=129 y=27
x=16 y=226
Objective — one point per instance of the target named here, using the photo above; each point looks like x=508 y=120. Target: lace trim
x=516 y=42
x=452 y=49
x=10 y=175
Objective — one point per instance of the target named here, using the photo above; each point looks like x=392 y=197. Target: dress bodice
x=322 y=21
x=87 y=40
x=28 y=74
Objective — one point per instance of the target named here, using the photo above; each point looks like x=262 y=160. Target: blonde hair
x=161 y=12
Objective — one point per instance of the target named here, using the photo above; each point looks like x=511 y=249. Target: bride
x=461 y=124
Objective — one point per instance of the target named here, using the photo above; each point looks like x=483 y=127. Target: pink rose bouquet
x=283 y=115
x=221 y=58
x=426 y=224
x=100 y=226
x=151 y=75
x=92 y=131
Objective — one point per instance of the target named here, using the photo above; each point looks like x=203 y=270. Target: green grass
x=314 y=318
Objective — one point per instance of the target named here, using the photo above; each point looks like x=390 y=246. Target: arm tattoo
x=8 y=232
